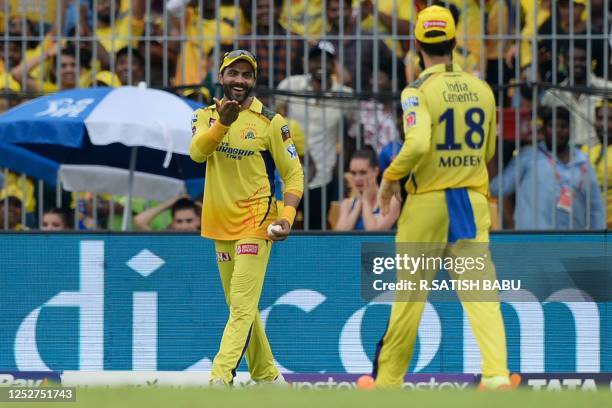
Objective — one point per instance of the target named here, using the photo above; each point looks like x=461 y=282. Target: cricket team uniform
x=449 y=125
x=239 y=203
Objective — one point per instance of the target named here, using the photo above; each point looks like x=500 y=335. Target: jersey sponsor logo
x=233 y=152
x=434 y=23
x=410 y=102
x=459 y=92
x=285 y=132
x=223 y=257
x=247 y=249
x=460 y=161
x=410 y=119
x=292 y=151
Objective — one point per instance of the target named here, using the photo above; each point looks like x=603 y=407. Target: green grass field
x=273 y=398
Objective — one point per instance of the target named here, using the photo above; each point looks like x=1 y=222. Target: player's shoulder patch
x=268 y=113
x=410 y=101
x=285 y=133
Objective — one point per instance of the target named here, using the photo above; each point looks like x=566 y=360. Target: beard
x=561 y=147
x=104 y=18
x=240 y=97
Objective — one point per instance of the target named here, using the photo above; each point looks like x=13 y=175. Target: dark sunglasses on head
x=239 y=53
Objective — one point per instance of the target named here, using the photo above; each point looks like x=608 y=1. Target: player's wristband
x=289 y=214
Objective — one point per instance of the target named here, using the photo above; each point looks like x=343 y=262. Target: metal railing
x=181 y=43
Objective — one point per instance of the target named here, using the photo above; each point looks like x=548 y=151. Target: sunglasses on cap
x=239 y=53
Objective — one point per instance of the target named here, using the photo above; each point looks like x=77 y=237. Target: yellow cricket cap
x=108 y=78
x=434 y=19
x=230 y=57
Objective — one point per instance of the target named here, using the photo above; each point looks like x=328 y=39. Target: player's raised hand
x=388 y=190
x=228 y=111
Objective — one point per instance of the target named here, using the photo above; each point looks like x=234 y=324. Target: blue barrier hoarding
x=154 y=302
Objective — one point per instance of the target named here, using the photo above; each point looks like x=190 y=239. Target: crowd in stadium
x=358 y=48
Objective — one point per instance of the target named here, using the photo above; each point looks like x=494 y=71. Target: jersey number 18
x=475 y=134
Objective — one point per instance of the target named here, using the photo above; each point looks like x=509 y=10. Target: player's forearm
x=294 y=183
x=408 y=157
x=205 y=142
x=292 y=201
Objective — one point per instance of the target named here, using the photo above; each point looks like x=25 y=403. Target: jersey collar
x=441 y=68
x=256 y=105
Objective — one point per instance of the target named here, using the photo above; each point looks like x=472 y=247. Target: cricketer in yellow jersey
x=449 y=126
x=243 y=142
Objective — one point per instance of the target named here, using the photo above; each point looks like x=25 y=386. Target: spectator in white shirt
x=321 y=119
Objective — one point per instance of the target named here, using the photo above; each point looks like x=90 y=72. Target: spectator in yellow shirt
x=200 y=30
x=601 y=155
x=115 y=29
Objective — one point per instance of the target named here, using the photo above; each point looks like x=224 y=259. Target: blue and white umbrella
x=131 y=141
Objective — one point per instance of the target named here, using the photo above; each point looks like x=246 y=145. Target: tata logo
x=557 y=384
x=66 y=107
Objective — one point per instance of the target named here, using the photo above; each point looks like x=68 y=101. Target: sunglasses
x=239 y=53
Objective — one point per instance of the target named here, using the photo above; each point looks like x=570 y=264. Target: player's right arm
x=417 y=135
x=206 y=138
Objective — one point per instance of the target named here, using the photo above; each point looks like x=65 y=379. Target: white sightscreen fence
x=335 y=69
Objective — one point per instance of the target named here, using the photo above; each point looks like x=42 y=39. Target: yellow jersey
x=201 y=37
x=126 y=32
x=35 y=11
x=239 y=189
x=449 y=126
x=598 y=161
x=304 y=17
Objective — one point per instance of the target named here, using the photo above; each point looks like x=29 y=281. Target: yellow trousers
x=425 y=219
x=242 y=265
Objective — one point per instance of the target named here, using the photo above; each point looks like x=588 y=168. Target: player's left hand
x=387 y=190
x=282 y=235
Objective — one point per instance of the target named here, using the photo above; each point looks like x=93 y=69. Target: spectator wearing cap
x=320 y=120
x=277 y=58
x=557 y=187
x=107 y=78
